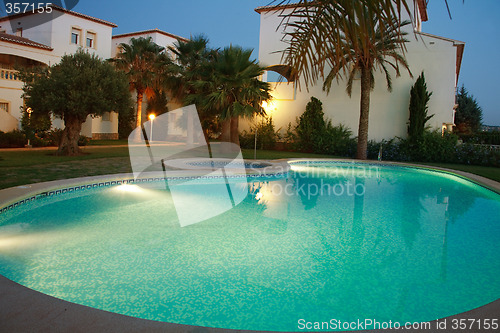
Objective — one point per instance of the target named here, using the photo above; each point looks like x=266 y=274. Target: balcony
x=9 y=74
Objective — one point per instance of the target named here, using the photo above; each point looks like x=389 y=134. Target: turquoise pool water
x=331 y=241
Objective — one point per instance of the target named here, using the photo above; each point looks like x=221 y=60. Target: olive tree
x=80 y=85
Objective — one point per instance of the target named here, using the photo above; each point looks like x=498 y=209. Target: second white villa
x=439 y=57
x=26 y=40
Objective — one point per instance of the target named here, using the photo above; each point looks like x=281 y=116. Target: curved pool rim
x=24 y=309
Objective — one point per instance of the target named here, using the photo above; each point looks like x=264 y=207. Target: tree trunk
x=364 y=114
x=225 y=135
x=138 y=122
x=235 y=134
x=70 y=135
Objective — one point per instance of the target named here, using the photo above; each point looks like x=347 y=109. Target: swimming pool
x=330 y=240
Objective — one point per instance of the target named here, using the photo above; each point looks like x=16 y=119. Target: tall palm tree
x=341 y=38
x=157 y=103
x=193 y=64
x=234 y=89
x=142 y=61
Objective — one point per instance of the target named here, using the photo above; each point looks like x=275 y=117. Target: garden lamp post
x=29 y=111
x=151 y=117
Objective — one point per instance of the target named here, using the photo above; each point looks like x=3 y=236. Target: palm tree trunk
x=138 y=122
x=235 y=134
x=225 y=135
x=364 y=114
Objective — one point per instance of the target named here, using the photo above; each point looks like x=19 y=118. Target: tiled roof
x=149 y=32
x=23 y=41
x=64 y=10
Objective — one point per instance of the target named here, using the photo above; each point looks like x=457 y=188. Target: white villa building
x=438 y=57
x=33 y=39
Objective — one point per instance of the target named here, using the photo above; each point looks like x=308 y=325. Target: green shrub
x=338 y=140
x=126 y=123
x=290 y=136
x=488 y=138
x=468 y=153
x=53 y=137
x=35 y=125
x=83 y=140
x=391 y=150
x=311 y=128
x=267 y=136
x=432 y=147
x=13 y=139
x=39 y=142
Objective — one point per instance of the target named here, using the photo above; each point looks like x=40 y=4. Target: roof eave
x=262 y=9
x=148 y=32
x=422 y=8
x=34 y=45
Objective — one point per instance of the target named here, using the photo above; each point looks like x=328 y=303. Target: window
x=75 y=36
x=4 y=107
x=275 y=77
x=19 y=32
x=90 y=42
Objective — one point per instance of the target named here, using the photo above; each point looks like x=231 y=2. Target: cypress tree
x=419 y=98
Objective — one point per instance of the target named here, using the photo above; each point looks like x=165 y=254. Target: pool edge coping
x=54 y=313
x=10 y=197
x=477 y=179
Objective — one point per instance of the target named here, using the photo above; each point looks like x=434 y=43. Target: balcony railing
x=9 y=74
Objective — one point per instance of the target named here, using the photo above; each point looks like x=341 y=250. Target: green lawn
x=488 y=172
x=108 y=142
x=33 y=166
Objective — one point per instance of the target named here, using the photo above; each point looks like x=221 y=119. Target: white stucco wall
x=61 y=35
x=10 y=92
x=55 y=33
x=388 y=111
x=35 y=27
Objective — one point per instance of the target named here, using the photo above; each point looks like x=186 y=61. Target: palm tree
x=332 y=39
x=157 y=103
x=191 y=58
x=142 y=61
x=234 y=89
x=193 y=64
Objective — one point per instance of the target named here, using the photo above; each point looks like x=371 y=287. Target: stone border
x=26 y=310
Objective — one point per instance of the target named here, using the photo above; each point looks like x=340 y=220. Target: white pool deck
x=25 y=310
